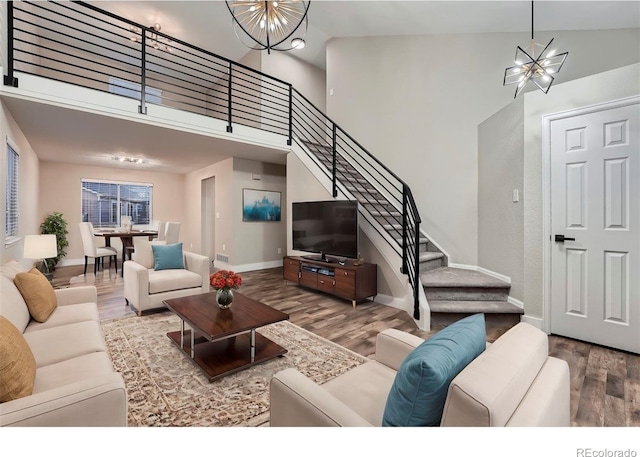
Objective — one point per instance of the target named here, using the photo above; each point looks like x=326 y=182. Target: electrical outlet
x=224 y=247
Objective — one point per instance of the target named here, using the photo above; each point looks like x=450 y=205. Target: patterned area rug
x=166 y=389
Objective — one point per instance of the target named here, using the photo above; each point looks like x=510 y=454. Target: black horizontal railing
x=79 y=43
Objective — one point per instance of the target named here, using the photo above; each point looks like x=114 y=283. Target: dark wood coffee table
x=222 y=342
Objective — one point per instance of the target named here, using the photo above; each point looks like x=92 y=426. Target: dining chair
x=98 y=253
x=161 y=230
x=172 y=232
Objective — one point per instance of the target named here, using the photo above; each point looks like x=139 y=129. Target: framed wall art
x=260 y=205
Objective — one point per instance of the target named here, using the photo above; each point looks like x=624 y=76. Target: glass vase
x=224 y=298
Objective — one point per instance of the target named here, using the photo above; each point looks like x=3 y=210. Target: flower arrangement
x=225 y=279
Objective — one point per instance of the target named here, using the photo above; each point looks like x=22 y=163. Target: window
x=11 y=203
x=104 y=202
x=132 y=90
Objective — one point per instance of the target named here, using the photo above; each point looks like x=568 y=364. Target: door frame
x=546 y=191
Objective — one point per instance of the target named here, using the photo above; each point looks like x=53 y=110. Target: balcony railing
x=78 y=43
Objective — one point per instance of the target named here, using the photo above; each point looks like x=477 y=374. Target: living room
x=467 y=224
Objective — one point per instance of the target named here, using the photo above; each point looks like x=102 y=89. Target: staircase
x=454 y=293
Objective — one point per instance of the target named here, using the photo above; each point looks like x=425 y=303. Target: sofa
x=513 y=382
x=147 y=285
x=75 y=383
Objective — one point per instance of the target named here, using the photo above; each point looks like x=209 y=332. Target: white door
x=595 y=206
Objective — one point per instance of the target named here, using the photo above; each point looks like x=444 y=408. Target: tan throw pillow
x=37 y=293
x=17 y=364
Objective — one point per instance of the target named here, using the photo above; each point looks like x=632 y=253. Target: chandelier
x=153 y=40
x=270 y=25
x=536 y=64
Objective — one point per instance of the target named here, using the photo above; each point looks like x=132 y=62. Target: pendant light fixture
x=536 y=64
x=270 y=25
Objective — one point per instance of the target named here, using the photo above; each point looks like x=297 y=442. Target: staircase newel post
x=142 y=109
x=405 y=208
x=229 y=113
x=334 y=161
x=9 y=79
x=416 y=301
x=290 y=139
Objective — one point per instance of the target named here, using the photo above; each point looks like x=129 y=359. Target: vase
x=224 y=297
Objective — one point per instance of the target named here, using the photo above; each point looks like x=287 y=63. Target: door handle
x=562 y=239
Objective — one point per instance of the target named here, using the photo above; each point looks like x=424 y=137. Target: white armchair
x=146 y=288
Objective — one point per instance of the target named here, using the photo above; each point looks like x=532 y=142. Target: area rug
x=165 y=389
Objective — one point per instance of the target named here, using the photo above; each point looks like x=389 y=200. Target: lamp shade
x=40 y=246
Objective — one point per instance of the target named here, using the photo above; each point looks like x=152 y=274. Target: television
x=326 y=228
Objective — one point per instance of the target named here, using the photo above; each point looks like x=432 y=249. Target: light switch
x=516 y=196
x=217 y=215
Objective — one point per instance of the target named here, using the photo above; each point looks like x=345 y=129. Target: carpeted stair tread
x=447 y=277
x=475 y=306
x=427 y=256
x=423 y=240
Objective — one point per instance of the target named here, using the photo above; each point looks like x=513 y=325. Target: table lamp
x=41 y=247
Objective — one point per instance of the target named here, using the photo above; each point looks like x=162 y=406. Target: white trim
x=248 y=266
x=481 y=270
x=515 y=301
x=112 y=181
x=546 y=192
x=535 y=321
x=11 y=240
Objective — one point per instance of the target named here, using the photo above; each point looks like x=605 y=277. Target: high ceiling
x=71 y=136
x=208 y=24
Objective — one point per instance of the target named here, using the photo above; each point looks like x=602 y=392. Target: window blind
x=105 y=202
x=11 y=204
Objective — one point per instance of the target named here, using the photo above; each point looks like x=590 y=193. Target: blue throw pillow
x=420 y=387
x=168 y=257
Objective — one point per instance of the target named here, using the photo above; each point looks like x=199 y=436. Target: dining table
x=126 y=237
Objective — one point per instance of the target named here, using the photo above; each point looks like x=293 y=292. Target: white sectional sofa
x=75 y=382
x=514 y=382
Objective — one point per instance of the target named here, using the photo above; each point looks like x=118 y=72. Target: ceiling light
x=153 y=40
x=532 y=66
x=269 y=25
x=136 y=160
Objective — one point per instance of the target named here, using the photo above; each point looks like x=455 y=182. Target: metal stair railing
x=78 y=43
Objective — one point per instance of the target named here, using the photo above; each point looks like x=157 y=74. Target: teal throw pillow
x=168 y=257
x=420 y=387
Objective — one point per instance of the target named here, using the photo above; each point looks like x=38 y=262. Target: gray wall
x=500 y=171
x=416 y=102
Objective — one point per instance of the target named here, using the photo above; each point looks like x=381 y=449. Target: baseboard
x=73 y=262
x=515 y=301
x=248 y=266
x=481 y=270
x=393 y=302
x=535 y=321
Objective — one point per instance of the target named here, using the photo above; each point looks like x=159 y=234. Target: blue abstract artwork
x=260 y=206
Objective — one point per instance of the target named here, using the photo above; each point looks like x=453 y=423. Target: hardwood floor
x=605 y=383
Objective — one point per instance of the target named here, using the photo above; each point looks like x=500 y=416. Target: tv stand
x=346 y=281
x=320 y=258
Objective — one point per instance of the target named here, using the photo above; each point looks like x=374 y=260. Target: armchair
x=146 y=288
x=512 y=383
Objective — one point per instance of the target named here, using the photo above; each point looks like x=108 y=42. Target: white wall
x=500 y=171
x=415 y=102
x=258 y=242
x=28 y=186
x=60 y=191
x=611 y=85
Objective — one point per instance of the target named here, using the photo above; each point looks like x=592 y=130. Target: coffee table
x=221 y=342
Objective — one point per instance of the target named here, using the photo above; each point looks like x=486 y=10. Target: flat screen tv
x=326 y=228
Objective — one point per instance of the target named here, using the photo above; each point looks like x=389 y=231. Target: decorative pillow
x=17 y=364
x=143 y=254
x=420 y=387
x=168 y=257
x=37 y=293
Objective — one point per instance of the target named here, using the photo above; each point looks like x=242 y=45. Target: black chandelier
x=534 y=66
x=271 y=25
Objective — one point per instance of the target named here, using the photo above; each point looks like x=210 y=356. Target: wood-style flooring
x=605 y=383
